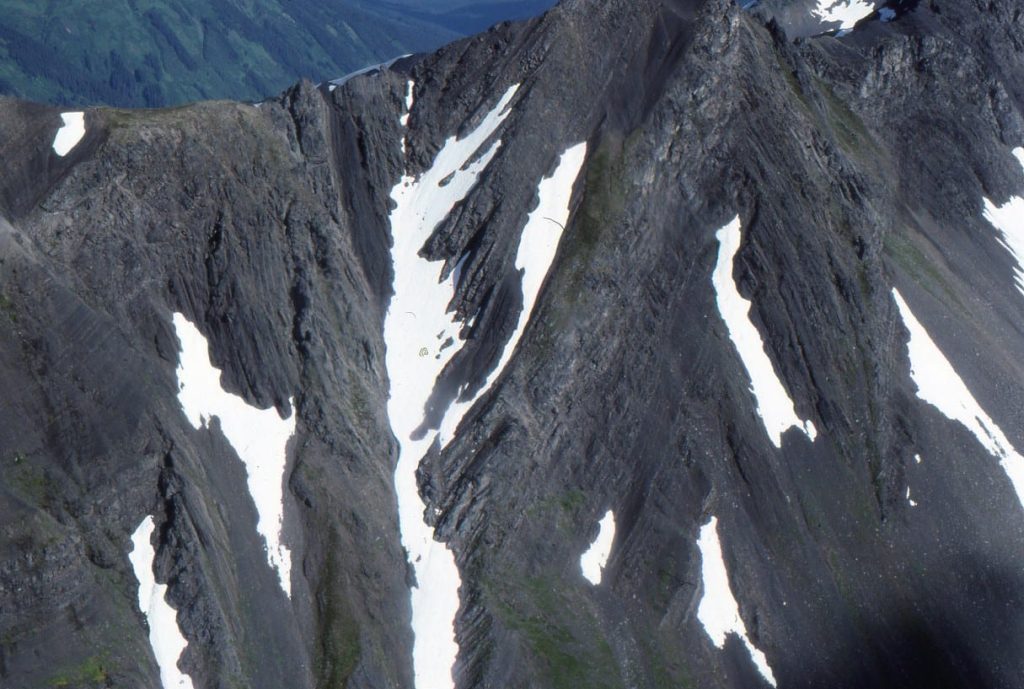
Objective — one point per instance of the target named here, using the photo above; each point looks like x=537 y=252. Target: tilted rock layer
x=872 y=538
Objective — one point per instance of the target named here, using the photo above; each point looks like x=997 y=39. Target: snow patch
x=846 y=12
x=886 y=14
x=404 y=119
x=939 y=385
x=70 y=133
x=537 y=247
x=909 y=499
x=259 y=436
x=774 y=405
x=1008 y=219
x=718 y=610
x=165 y=635
x=409 y=100
x=416 y=330
x=594 y=560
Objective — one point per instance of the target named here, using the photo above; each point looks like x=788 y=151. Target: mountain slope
x=143 y=53
x=741 y=309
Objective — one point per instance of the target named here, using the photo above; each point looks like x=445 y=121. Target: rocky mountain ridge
x=731 y=352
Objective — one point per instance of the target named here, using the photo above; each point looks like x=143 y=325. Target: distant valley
x=154 y=53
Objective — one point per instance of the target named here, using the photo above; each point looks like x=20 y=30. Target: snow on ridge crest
x=259 y=437
x=941 y=386
x=846 y=12
x=70 y=133
x=421 y=336
x=774 y=405
x=165 y=635
x=718 y=611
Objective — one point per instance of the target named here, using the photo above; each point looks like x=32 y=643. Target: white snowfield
x=165 y=635
x=421 y=337
x=939 y=385
x=259 y=436
x=847 y=12
x=1009 y=221
x=594 y=560
x=70 y=133
x=718 y=610
x=774 y=405
x=538 y=245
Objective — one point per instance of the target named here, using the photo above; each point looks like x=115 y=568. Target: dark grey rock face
x=217 y=211
x=856 y=164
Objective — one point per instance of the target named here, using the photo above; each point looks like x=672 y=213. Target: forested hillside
x=165 y=52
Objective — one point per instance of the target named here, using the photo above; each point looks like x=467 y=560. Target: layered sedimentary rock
x=736 y=294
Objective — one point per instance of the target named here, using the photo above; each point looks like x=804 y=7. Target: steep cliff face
x=639 y=345
x=233 y=217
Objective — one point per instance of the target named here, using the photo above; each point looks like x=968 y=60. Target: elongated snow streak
x=538 y=245
x=718 y=610
x=594 y=560
x=774 y=405
x=846 y=12
x=165 y=635
x=70 y=134
x=939 y=385
x=416 y=329
x=409 y=94
x=404 y=120
x=259 y=437
x=1009 y=221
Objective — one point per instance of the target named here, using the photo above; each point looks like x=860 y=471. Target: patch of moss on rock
x=338 y=633
x=89 y=674
x=849 y=130
x=7 y=307
x=602 y=207
x=902 y=250
x=28 y=480
x=559 y=630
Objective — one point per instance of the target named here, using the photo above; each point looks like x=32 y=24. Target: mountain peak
x=640 y=344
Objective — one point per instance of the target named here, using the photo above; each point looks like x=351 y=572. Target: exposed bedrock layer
x=763 y=333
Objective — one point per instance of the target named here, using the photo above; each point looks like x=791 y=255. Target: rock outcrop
x=874 y=542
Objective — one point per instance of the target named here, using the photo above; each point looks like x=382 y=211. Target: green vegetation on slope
x=90 y=673
x=156 y=53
